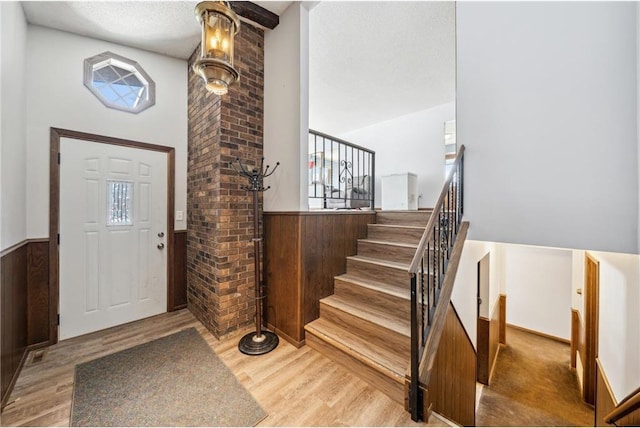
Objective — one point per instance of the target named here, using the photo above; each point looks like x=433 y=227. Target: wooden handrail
x=415 y=263
x=339 y=140
x=630 y=403
x=431 y=285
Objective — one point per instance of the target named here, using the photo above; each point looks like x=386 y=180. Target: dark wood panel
x=256 y=13
x=576 y=326
x=606 y=402
x=503 y=319
x=482 y=346
x=282 y=276
x=488 y=343
x=592 y=293
x=314 y=258
x=14 y=316
x=494 y=337
x=326 y=242
x=582 y=340
x=179 y=270
x=38 y=292
x=452 y=386
x=303 y=253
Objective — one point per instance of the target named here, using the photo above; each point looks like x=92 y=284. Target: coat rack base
x=252 y=344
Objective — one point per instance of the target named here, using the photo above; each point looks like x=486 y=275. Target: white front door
x=113 y=225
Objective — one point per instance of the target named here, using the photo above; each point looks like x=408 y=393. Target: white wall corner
x=577 y=281
x=304 y=104
x=420 y=133
x=618 y=320
x=638 y=111
x=13 y=125
x=286 y=100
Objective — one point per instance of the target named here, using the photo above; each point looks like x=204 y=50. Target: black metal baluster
x=422 y=295
x=414 y=392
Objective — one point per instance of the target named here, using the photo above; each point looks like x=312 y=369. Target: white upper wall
x=546 y=106
x=538 y=284
x=56 y=97
x=286 y=109
x=13 y=152
x=577 y=281
x=619 y=318
x=638 y=108
x=465 y=288
x=410 y=143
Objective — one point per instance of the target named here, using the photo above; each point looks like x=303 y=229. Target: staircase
x=365 y=324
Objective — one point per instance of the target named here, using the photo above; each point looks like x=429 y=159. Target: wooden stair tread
x=382 y=287
x=369 y=313
x=397 y=226
x=383 y=360
x=381 y=262
x=391 y=243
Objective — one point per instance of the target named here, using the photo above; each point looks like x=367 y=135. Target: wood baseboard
x=14 y=378
x=285 y=336
x=539 y=333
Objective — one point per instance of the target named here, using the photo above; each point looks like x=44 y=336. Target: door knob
x=161 y=235
x=160 y=246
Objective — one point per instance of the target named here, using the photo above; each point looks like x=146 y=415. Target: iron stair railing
x=341 y=174
x=427 y=272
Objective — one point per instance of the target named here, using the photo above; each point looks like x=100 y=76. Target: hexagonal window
x=119 y=82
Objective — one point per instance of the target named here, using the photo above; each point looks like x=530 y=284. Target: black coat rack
x=261 y=341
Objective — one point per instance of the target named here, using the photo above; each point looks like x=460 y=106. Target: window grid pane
x=119 y=203
x=119 y=82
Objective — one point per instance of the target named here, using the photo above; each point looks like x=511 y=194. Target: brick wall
x=220 y=271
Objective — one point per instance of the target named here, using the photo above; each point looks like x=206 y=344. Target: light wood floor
x=295 y=387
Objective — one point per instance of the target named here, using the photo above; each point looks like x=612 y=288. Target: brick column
x=219 y=224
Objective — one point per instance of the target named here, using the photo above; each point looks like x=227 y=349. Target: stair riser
x=392 y=234
x=388 y=275
x=393 y=305
x=417 y=218
x=393 y=387
x=379 y=335
x=386 y=252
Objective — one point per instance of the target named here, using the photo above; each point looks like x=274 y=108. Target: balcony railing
x=341 y=174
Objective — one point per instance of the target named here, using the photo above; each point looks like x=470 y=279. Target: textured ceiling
x=165 y=27
x=369 y=61
x=374 y=61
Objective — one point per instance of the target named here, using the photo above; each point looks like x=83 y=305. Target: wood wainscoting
x=606 y=402
x=25 y=306
x=26 y=298
x=38 y=292
x=491 y=333
x=178 y=291
x=14 y=315
x=577 y=345
x=452 y=386
x=303 y=252
x=503 y=319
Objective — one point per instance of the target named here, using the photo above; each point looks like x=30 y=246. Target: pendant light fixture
x=219 y=26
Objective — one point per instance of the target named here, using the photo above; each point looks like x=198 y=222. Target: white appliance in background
x=400 y=191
